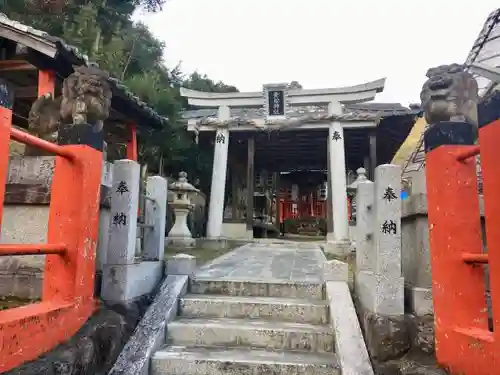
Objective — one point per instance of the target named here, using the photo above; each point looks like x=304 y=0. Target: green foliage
x=103 y=29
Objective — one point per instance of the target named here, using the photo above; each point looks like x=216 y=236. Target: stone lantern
x=351 y=191
x=180 y=235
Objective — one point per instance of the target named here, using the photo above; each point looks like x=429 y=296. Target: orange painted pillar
x=6 y=105
x=454 y=228
x=132 y=142
x=46 y=82
x=489 y=136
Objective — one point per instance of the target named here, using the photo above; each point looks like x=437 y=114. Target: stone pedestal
x=80 y=134
x=179 y=235
x=181 y=264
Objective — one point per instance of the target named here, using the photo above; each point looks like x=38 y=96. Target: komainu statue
x=450 y=94
x=86 y=98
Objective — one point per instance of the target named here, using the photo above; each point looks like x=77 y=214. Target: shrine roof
x=486 y=52
x=351 y=112
x=65 y=56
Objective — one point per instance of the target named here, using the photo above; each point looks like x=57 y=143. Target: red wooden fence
x=464 y=343
x=68 y=283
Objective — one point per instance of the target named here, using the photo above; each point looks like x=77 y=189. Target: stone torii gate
x=281 y=107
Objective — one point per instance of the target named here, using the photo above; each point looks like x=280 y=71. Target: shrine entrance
x=284 y=157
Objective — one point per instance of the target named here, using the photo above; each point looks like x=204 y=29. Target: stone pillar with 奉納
x=338 y=240
x=124 y=210
x=125 y=278
x=218 y=187
x=156 y=215
x=379 y=284
x=365 y=199
x=380 y=280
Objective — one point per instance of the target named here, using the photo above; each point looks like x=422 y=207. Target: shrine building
x=289 y=153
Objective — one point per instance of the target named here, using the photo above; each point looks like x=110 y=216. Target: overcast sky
x=319 y=43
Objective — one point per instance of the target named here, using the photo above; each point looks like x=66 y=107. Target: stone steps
x=268 y=308
x=278 y=288
x=251 y=333
x=249 y=328
x=179 y=360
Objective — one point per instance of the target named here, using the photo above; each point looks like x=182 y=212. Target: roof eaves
x=75 y=57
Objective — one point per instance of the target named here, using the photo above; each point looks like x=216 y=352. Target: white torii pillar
x=337 y=188
x=217 y=191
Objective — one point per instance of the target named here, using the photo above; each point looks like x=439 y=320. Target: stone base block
x=81 y=134
x=200 y=361
x=181 y=264
x=235 y=307
x=340 y=248
x=380 y=294
x=270 y=288
x=387 y=337
x=23 y=284
x=184 y=242
x=335 y=270
x=127 y=282
x=420 y=300
x=262 y=334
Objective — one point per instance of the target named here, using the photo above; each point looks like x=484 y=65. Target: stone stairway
x=249 y=328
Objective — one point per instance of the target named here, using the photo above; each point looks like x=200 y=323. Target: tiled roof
x=79 y=58
x=351 y=112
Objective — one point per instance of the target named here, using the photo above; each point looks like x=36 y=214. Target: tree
x=104 y=31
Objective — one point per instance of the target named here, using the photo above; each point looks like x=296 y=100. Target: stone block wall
x=25 y=220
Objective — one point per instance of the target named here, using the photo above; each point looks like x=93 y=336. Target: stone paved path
x=268 y=261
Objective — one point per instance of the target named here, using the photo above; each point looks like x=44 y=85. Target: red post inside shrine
x=46 y=82
x=132 y=141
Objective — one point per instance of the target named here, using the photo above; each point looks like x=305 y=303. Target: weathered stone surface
x=126 y=282
x=417 y=369
x=92 y=350
x=450 y=94
x=181 y=264
x=149 y=335
x=276 y=308
x=335 y=270
x=267 y=262
x=386 y=337
x=421 y=331
x=349 y=344
x=272 y=288
x=340 y=248
x=251 y=333
x=156 y=212
x=179 y=360
x=365 y=206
